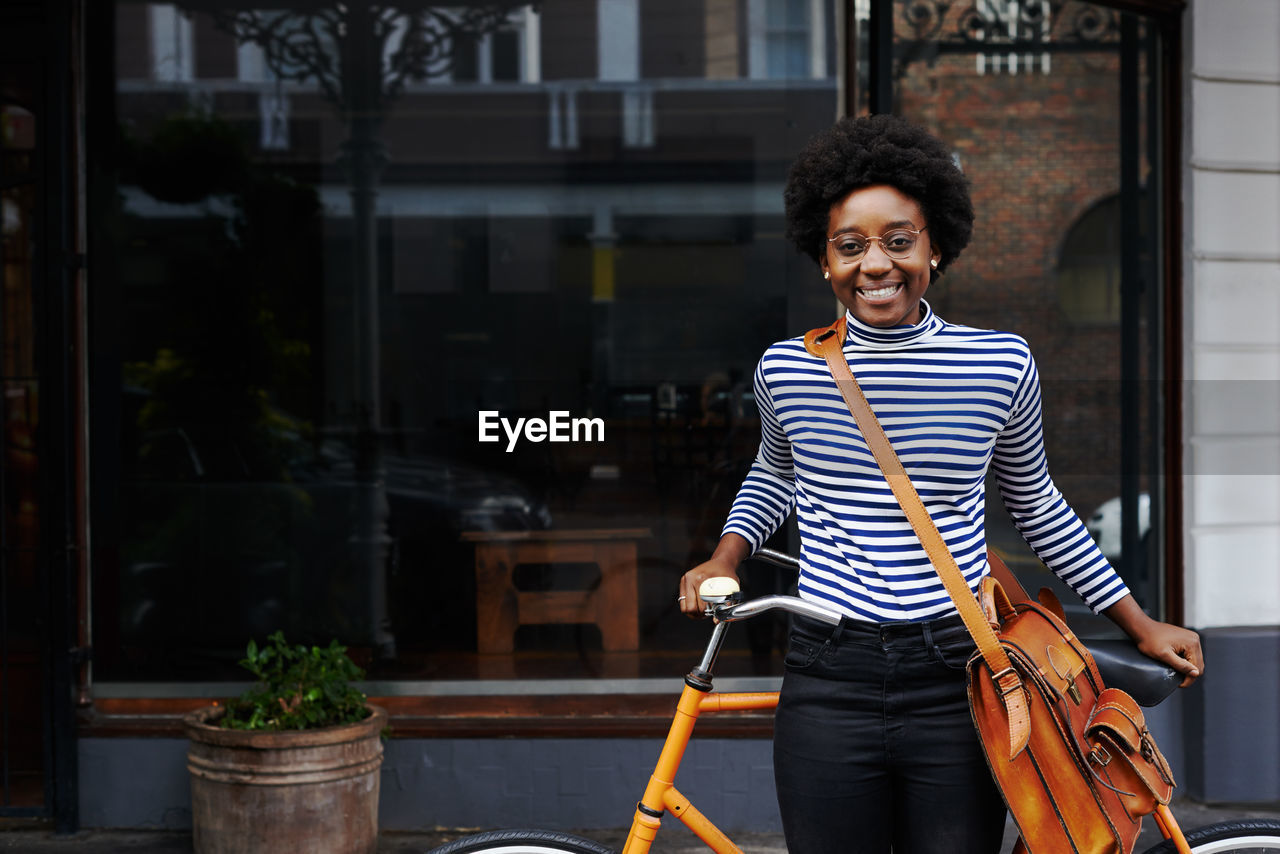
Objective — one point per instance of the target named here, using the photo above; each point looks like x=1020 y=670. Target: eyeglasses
x=898 y=243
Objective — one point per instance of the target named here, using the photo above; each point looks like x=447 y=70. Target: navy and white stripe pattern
x=952 y=400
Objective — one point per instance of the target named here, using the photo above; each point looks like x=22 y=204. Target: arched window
x=1088 y=268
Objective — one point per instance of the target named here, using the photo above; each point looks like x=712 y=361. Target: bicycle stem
x=700 y=677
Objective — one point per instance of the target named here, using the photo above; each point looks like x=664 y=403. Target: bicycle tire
x=522 y=842
x=1229 y=837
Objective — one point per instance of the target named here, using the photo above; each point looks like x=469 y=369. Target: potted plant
x=293 y=763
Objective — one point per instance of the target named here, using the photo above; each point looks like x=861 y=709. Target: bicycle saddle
x=1122 y=666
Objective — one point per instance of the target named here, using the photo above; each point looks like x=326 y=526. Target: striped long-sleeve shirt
x=953 y=400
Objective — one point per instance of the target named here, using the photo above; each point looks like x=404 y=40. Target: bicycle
x=697 y=697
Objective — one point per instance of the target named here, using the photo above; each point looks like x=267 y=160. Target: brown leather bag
x=1073 y=759
x=1090 y=770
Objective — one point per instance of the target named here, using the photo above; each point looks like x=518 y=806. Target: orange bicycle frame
x=661 y=794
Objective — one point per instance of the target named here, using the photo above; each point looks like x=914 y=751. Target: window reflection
x=556 y=211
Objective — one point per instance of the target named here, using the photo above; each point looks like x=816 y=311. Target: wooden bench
x=612 y=604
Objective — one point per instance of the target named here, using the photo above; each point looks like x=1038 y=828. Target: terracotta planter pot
x=309 y=790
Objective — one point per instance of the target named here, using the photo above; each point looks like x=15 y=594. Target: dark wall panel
x=569 y=40
x=673 y=39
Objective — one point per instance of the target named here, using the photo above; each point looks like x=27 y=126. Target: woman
x=873 y=745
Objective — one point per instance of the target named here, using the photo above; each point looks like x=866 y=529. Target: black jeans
x=873 y=745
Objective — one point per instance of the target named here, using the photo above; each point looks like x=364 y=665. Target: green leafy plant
x=299 y=687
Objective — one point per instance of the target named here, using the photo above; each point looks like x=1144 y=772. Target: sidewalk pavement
x=673 y=838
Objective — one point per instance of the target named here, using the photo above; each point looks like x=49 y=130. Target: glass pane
x=466 y=58
x=788 y=55
x=788 y=14
x=506 y=55
x=1049 y=108
x=459 y=375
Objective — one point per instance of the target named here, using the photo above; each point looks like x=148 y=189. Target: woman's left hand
x=1175 y=646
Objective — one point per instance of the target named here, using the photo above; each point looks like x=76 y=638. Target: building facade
x=312 y=313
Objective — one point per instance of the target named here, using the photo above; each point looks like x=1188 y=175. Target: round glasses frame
x=897 y=254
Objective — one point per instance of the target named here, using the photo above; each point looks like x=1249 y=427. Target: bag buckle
x=998 y=678
x=1100 y=755
x=1073 y=691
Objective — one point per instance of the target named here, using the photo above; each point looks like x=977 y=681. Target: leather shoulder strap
x=814 y=336
x=828 y=342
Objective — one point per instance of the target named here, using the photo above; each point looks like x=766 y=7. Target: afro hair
x=881 y=149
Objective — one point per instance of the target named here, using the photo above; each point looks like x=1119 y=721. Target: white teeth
x=880 y=293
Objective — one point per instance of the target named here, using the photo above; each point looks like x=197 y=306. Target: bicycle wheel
x=522 y=842
x=1230 y=837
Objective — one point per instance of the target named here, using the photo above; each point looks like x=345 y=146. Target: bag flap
x=1118 y=729
x=1056 y=660
x=1118 y=715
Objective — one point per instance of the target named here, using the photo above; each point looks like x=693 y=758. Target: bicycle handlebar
x=725 y=605
x=791 y=604
x=735 y=609
x=777 y=558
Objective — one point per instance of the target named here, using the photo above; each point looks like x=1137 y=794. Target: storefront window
x=433 y=330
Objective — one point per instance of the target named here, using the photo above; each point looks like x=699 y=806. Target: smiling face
x=879 y=290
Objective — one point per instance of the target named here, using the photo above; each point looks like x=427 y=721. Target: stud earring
x=828 y=275
x=934 y=263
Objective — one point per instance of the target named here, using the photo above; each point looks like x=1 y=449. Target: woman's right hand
x=690 y=603
x=732 y=550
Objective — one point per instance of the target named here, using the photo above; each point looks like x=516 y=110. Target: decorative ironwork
x=361 y=55
x=1092 y=24
x=1006 y=25
x=925 y=20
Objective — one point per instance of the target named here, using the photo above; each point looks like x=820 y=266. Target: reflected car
x=1104 y=524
